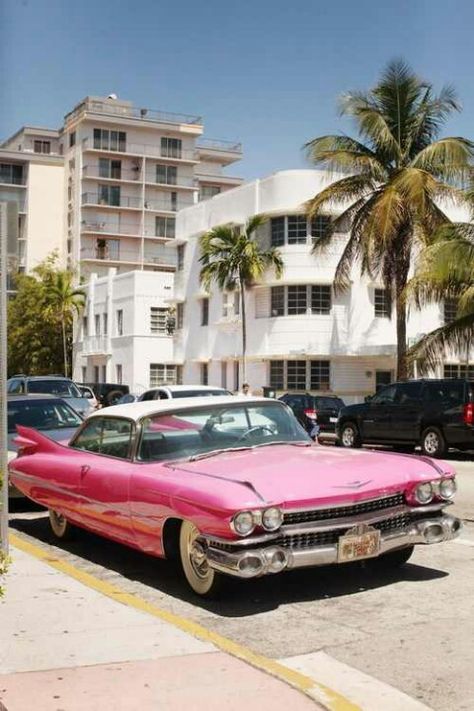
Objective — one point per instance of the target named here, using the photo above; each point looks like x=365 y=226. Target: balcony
x=213 y=144
x=167 y=205
x=129 y=229
x=122 y=110
x=96 y=345
x=125 y=201
x=131 y=175
x=12 y=180
x=119 y=256
x=149 y=150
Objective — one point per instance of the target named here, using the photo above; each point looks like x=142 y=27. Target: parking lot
x=411 y=629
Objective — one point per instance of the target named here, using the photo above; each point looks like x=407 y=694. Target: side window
x=447 y=393
x=149 y=395
x=161 y=395
x=15 y=387
x=386 y=396
x=408 y=393
x=111 y=436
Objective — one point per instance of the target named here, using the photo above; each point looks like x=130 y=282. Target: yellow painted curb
x=330 y=699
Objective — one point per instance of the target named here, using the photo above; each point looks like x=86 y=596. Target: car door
x=406 y=411
x=105 y=475
x=375 y=421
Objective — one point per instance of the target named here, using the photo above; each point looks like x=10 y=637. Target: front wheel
x=200 y=576
x=60 y=526
x=394 y=559
x=349 y=435
x=432 y=442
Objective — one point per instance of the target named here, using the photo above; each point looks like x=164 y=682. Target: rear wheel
x=60 y=526
x=350 y=436
x=432 y=442
x=394 y=559
x=200 y=576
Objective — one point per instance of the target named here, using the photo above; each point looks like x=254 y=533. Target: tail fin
x=30 y=441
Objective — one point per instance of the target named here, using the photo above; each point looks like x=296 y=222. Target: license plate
x=333 y=419
x=356 y=546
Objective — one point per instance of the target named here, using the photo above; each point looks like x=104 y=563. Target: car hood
x=299 y=476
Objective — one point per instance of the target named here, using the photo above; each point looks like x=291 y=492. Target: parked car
x=233 y=487
x=315 y=412
x=56 y=385
x=87 y=392
x=47 y=414
x=435 y=414
x=107 y=393
x=165 y=392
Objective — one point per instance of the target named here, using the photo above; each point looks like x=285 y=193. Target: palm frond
x=450 y=158
x=457 y=336
x=342 y=191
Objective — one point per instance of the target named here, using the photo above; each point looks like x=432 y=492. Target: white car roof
x=136 y=410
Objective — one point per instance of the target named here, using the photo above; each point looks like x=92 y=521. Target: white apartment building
x=32 y=179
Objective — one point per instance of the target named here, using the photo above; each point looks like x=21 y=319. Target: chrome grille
x=343 y=511
x=321 y=538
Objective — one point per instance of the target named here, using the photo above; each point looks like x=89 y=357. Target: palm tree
x=395 y=177
x=64 y=301
x=445 y=270
x=232 y=257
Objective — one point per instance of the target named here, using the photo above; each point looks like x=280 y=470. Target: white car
x=88 y=393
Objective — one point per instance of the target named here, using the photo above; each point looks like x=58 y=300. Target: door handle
x=84 y=469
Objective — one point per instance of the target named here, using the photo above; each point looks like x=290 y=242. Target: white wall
x=44 y=230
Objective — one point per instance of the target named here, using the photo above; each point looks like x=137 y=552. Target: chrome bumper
x=274 y=559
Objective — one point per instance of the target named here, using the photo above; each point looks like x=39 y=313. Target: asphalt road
x=412 y=629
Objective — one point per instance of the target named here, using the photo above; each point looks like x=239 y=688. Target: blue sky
x=266 y=72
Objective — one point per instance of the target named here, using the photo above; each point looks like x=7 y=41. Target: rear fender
x=30 y=441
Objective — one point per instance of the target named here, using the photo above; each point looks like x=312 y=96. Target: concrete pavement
x=65 y=647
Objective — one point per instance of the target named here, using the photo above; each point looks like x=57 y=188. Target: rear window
x=42 y=415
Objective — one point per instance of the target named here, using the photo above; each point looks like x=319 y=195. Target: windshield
x=42 y=415
x=188 y=433
x=61 y=388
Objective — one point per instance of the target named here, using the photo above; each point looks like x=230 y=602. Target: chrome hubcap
x=348 y=437
x=431 y=442
x=197 y=557
x=58 y=522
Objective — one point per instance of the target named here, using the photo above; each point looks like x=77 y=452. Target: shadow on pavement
x=241 y=598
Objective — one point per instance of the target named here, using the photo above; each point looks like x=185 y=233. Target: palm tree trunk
x=402 y=372
x=244 y=332
x=63 y=323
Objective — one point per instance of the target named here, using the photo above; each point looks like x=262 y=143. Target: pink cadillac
x=233 y=486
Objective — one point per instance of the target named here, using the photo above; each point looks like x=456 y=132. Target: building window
x=96 y=373
x=277 y=301
x=382 y=303
x=104 y=373
x=319 y=226
x=165 y=227
x=118 y=374
x=42 y=146
x=230 y=304
x=110 y=168
x=158 y=320
x=277 y=231
x=106 y=140
x=105 y=324
x=204 y=374
x=167 y=174
x=180 y=257
x=236 y=376
x=161 y=374
x=11 y=174
x=208 y=191
x=171 y=147
x=300 y=375
x=224 y=374
x=174 y=201
x=120 y=322
x=277 y=374
x=72 y=139
x=297 y=300
x=204 y=312
x=450 y=310
x=320 y=299
x=109 y=195
x=319 y=374
x=459 y=370
x=84 y=326
x=84 y=373
x=297 y=229
x=97 y=324
x=179 y=375
x=179 y=315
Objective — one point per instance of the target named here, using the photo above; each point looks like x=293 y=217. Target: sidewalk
x=67 y=647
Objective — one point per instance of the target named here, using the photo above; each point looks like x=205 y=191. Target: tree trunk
x=402 y=371
x=244 y=332
x=63 y=323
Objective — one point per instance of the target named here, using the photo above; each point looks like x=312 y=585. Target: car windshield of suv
x=200 y=431
x=61 y=388
x=42 y=415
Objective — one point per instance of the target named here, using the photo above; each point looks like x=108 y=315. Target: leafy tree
x=232 y=258
x=39 y=326
x=64 y=300
x=445 y=270
x=395 y=177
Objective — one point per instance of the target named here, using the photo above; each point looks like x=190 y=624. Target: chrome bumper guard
x=274 y=559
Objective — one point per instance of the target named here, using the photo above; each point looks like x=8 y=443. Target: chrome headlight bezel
x=236 y=523
x=278 y=518
x=443 y=483
x=421 y=499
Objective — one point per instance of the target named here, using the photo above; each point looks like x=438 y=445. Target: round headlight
x=447 y=488
x=272 y=518
x=243 y=523
x=424 y=493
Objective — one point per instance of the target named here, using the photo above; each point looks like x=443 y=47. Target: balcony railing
x=99 y=345
x=93 y=171
x=115 y=256
x=124 y=228
x=122 y=201
x=218 y=145
x=108 y=108
x=181 y=181
x=167 y=205
x=12 y=180
x=143 y=149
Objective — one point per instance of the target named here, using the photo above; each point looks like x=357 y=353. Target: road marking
x=371 y=693
x=328 y=698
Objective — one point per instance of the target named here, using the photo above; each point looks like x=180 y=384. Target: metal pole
x=3 y=381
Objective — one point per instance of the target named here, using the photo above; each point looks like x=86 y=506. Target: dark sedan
x=51 y=415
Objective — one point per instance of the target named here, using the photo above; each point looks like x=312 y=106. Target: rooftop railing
x=219 y=145
x=110 y=108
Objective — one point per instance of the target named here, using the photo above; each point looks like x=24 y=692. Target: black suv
x=435 y=414
x=308 y=409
